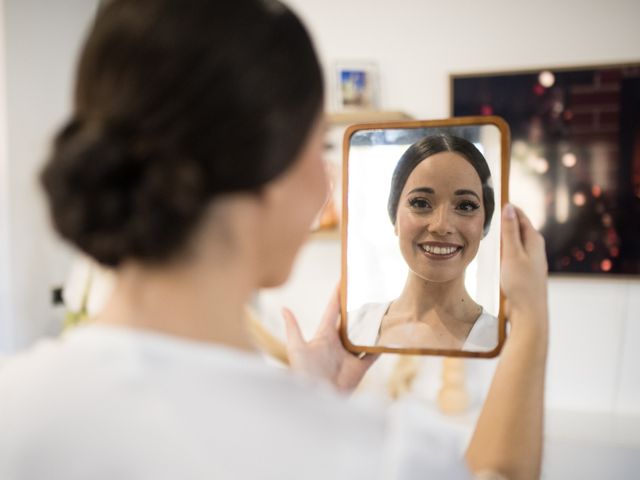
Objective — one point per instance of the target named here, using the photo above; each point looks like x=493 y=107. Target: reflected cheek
x=472 y=233
x=409 y=226
x=410 y=232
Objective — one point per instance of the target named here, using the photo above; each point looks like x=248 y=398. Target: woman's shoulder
x=369 y=310
x=173 y=396
x=364 y=322
x=484 y=333
x=486 y=320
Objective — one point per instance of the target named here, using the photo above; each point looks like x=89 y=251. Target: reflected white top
x=104 y=403
x=364 y=326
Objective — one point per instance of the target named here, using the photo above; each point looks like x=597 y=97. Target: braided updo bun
x=177 y=101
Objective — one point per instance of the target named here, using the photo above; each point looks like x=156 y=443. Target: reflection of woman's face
x=440 y=217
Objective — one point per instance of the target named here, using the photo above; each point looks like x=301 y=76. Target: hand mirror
x=421 y=237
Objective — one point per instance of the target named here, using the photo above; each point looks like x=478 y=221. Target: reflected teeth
x=439 y=250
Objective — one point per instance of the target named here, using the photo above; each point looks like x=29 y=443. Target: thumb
x=511 y=241
x=292 y=328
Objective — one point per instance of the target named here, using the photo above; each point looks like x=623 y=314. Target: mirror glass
x=421 y=237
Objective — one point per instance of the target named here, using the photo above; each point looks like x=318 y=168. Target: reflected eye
x=419 y=203
x=468 y=206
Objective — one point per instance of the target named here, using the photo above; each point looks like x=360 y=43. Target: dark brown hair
x=428 y=146
x=177 y=101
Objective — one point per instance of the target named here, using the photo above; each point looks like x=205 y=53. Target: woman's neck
x=429 y=314
x=449 y=300
x=192 y=301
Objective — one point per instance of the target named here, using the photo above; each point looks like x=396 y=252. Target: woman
x=192 y=166
x=440 y=203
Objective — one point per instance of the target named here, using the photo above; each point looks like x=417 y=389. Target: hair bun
x=111 y=200
x=176 y=104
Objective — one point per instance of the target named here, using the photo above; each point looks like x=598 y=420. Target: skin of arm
x=508 y=435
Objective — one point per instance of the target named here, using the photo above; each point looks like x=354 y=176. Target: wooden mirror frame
x=505 y=143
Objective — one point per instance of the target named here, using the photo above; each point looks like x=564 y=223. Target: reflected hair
x=175 y=103
x=429 y=146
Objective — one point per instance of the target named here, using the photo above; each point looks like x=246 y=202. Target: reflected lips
x=439 y=250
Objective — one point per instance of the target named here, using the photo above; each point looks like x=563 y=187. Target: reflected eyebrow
x=467 y=192
x=432 y=191
x=422 y=190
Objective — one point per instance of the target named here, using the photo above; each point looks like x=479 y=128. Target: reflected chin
x=440 y=268
x=437 y=275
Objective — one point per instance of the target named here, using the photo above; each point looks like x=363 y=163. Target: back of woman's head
x=177 y=101
x=431 y=145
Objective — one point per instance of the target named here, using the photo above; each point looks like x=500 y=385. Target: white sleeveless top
x=364 y=325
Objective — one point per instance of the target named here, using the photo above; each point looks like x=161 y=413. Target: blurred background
x=593 y=383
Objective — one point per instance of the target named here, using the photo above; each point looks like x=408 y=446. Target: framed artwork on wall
x=575 y=157
x=356 y=87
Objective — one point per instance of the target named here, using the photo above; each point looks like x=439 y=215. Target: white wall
x=5 y=294
x=595 y=332
x=41 y=39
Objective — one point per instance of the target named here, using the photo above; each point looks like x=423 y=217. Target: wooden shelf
x=374 y=116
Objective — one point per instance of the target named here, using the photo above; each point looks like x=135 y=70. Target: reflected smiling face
x=440 y=217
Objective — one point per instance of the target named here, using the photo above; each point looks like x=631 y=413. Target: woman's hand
x=524 y=269
x=324 y=356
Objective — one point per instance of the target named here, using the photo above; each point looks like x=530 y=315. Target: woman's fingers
x=511 y=239
x=532 y=240
x=523 y=271
x=294 y=334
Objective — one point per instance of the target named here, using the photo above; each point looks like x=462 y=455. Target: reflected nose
x=440 y=221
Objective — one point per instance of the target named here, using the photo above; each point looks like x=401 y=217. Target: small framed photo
x=356 y=86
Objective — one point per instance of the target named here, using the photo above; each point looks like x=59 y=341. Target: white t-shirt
x=111 y=403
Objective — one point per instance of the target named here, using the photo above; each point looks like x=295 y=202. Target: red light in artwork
x=606 y=265
x=486 y=110
x=579 y=255
x=596 y=191
x=614 y=251
x=538 y=89
x=567 y=115
x=589 y=246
